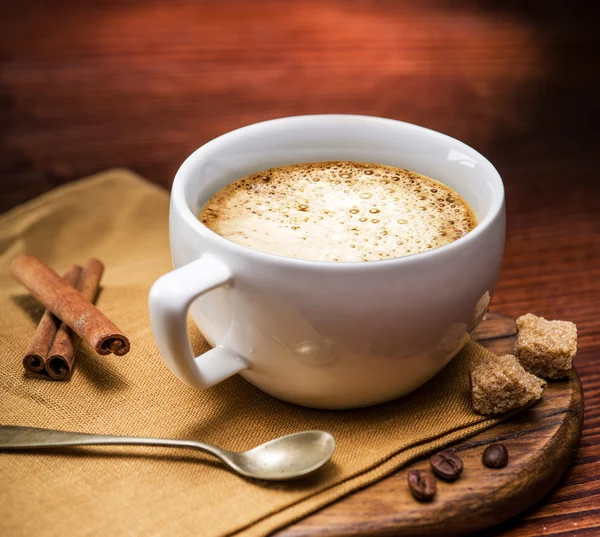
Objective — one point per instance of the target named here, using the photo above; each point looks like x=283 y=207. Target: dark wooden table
x=86 y=86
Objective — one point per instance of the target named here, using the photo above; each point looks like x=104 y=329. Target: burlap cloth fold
x=121 y=219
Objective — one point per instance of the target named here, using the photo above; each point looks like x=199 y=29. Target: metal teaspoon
x=286 y=457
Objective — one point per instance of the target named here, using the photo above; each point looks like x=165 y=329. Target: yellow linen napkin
x=98 y=491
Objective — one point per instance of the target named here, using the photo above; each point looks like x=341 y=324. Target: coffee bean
x=447 y=465
x=495 y=456
x=422 y=485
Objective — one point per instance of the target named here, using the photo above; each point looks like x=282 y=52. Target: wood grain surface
x=86 y=86
x=541 y=442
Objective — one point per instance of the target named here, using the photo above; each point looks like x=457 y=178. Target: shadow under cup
x=339 y=335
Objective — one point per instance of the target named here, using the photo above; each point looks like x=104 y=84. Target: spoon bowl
x=287 y=457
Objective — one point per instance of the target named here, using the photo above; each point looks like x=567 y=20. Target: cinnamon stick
x=87 y=321
x=61 y=357
x=36 y=356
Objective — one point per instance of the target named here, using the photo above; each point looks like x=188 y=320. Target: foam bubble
x=309 y=211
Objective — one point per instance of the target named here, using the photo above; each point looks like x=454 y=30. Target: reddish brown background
x=86 y=86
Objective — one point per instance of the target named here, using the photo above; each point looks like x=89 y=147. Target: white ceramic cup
x=324 y=334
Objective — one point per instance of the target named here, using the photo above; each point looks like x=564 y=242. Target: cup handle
x=169 y=300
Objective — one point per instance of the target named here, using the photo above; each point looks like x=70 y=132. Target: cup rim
x=181 y=177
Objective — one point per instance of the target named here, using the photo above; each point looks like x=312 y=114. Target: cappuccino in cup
x=339 y=212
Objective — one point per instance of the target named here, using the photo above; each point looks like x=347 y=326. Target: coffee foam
x=338 y=211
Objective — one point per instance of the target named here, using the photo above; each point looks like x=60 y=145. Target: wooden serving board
x=541 y=442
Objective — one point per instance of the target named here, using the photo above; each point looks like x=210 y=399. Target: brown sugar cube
x=546 y=348
x=500 y=384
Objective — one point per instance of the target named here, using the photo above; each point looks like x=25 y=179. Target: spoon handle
x=14 y=437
